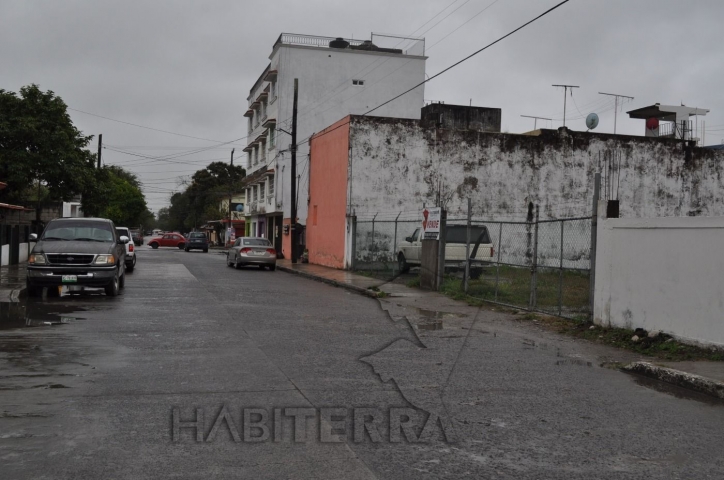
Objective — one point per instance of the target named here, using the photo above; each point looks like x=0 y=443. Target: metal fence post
x=594 y=232
x=394 y=246
x=534 y=264
x=497 y=264
x=372 y=247
x=441 y=250
x=560 y=276
x=466 y=278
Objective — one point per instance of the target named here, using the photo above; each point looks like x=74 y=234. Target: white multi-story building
x=336 y=78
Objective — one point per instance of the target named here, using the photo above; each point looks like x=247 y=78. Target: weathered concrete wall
x=461 y=117
x=398 y=165
x=662 y=274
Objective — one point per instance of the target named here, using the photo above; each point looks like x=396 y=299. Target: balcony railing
x=310 y=40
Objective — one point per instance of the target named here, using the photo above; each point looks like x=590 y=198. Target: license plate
x=256 y=253
x=69 y=279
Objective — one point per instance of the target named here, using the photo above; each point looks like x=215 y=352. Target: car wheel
x=228 y=263
x=153 y=245
x=32 y=290
x=272 y=267
x=261 y=267
x=112 y=288
x=181 y=246
x=402 y=264
x=129 y=268
x=475 y=273
x=237 y=265
x=53 y=292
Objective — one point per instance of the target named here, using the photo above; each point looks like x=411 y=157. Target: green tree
x=40 y=145
x=200 y=200
x=116 y=195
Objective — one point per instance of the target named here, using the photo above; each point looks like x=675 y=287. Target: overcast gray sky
x=186 y=67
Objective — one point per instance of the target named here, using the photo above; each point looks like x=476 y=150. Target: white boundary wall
x=662 y=274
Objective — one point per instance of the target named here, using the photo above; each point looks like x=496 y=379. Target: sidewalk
x=12 y=282
x=421 y=307
x=338 y=278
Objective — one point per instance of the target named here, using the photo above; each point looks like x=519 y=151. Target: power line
x=469 y=56
x=143 y=126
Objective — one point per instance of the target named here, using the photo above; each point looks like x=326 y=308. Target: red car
x=168 y=240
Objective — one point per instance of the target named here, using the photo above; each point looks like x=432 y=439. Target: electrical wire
x=469 y=56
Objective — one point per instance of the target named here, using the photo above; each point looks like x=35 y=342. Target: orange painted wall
x=326 y=220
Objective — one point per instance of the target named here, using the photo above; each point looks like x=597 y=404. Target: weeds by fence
x=541 y=265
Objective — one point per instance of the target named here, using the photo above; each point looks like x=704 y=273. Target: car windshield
x=78 y=231
x=257 y=242
x=197 y=235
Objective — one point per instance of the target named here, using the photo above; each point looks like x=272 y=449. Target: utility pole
x=231 y=192
x=565 y=92
x=615 y=111
x=100 y=148
x=535 y=122
x=293 y=226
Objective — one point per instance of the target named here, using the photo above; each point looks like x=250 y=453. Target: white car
x=481 y=249
x=130 y=249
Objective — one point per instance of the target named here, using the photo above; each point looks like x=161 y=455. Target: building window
x=271 y=185
x=272 y=137
x=261 y=190
x=358 y=82
x=262 y=147
x=256 y=155
x=253 y=190
x=263 y=110
x=248 y=159
x=273 y=92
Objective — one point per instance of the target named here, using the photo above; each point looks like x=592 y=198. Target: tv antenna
x=535 y=121
x=615 y=112
x=565 y=92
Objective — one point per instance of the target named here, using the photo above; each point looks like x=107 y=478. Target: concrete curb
x=335 y=283
x=676 y=377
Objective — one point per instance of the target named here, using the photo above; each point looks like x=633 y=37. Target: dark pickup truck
x=77 y=252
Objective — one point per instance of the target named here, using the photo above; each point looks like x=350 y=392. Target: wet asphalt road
x=91 y=393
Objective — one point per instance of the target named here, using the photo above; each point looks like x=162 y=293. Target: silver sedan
x=252 y=251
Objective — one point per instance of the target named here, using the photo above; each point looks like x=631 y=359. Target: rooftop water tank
x=339 y=42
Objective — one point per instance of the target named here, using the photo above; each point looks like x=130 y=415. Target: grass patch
x=414 y=283
x=514 y=286
x=663 y=347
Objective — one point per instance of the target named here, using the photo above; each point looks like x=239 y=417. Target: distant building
x=336 y=77
x=676 y=117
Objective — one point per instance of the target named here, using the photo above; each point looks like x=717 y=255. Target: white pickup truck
x=481 y=249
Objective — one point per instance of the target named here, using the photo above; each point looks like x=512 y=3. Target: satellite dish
x=592 y=121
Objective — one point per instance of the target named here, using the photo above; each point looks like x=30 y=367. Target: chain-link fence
x=539 y=265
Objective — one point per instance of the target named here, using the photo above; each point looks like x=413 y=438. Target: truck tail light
x=271 y=251
x=130 y=247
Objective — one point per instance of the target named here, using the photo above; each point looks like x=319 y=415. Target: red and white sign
x=431 y=223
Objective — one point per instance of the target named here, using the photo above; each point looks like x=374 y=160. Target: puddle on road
x=439 y=315
x=574 y=361
x=430 y=326
x=26 y=314
x=674 y=390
